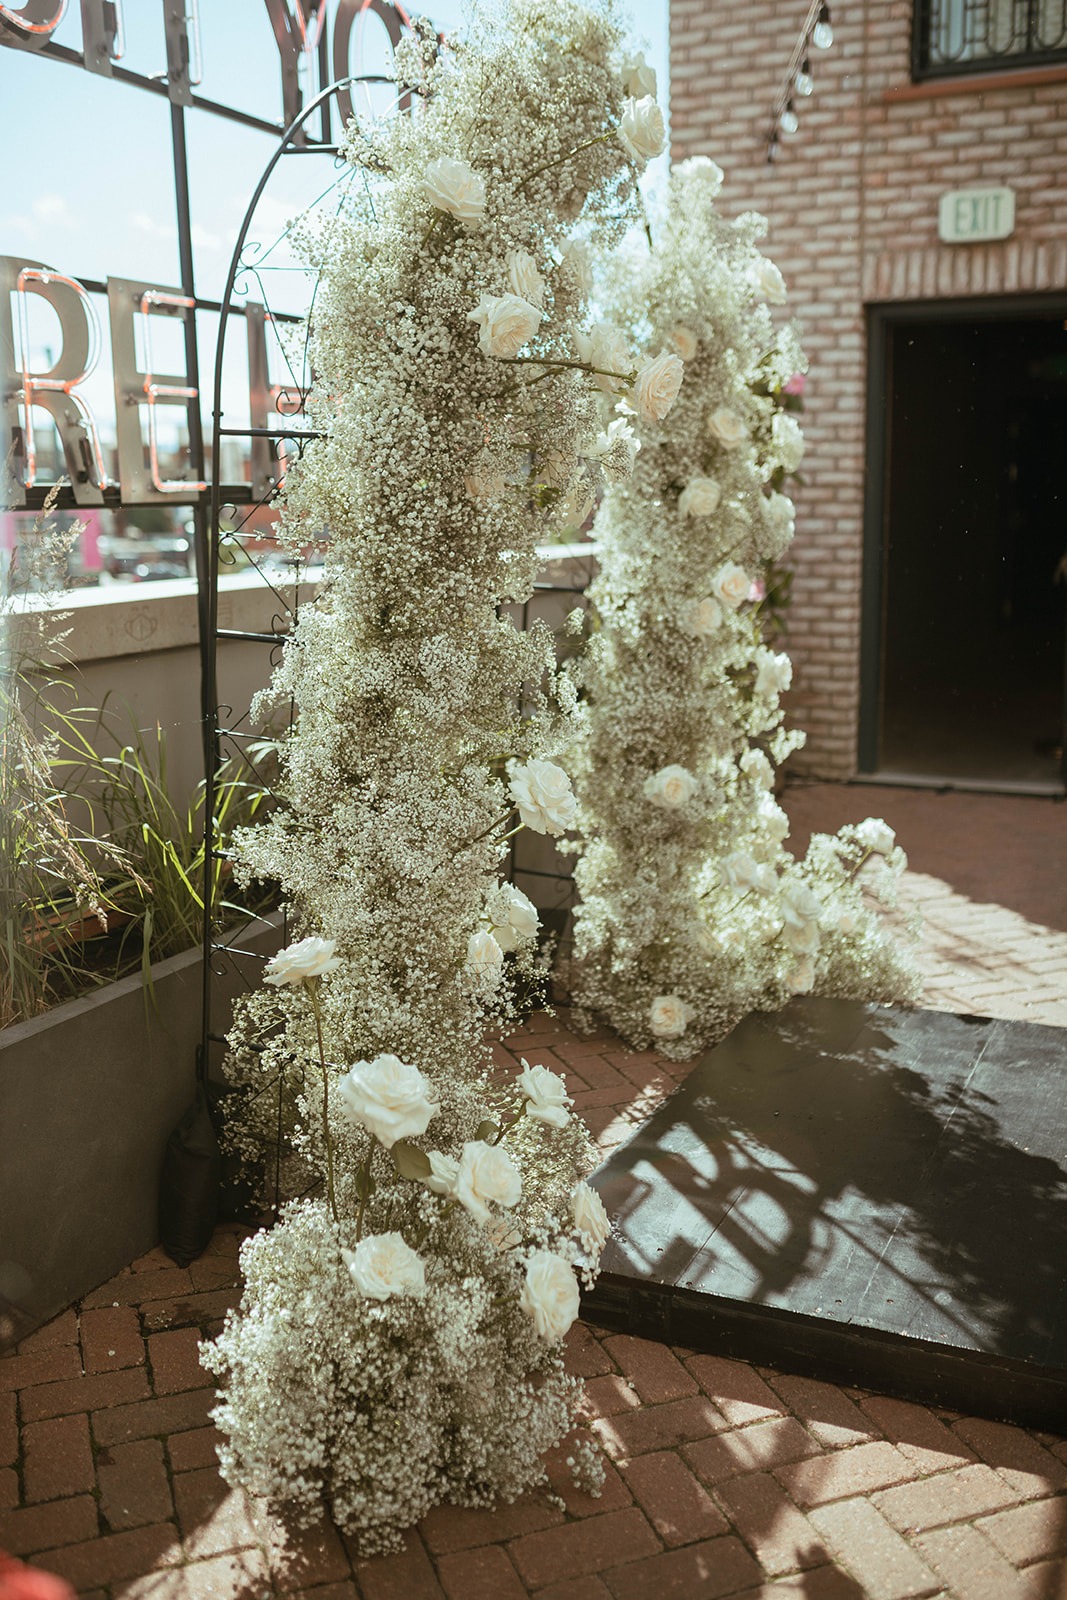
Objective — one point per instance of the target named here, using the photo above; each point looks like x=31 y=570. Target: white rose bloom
x=739 y=871
x=382 y=1266
x=546 y=1096
x=669 y=1016
x=576 y=259
x=702 y=617
x=768 y=282
x=780 y=515
x=506 y=322
x=444 y=1170
x=684 y=341
x=787 y=440
x=550 y=1294
x=518 y=922
x=765 y=879
x=486 y=1174
x=670 y=787
x=731 y=585
x=727 y=428
x=638 y=78
x=388 y=1098
x=801 y=978
x=524 y=278
x=803 y=941
x=774 y=674
x=756 y=767
x=605 y=346
x=542 y=791
x=701 y=169
x=484 y=955
x=657 y=386
x=642 y=130
x=590 y=1217
x=876 y=835
x=307 y=958
x=799 y=905
x=699 y=498
x=455 y=187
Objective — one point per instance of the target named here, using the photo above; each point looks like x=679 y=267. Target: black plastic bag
x=189 y=1184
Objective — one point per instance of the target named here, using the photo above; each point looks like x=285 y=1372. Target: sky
x=90 y=191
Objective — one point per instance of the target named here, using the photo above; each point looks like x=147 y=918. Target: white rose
x=779 y=513
x=638 y=78
x=774 y=673
x=740 y=871
x=756 y=767
x=506 y=322
x=703 y=170
x=550 y=1294
x=605 y=346
x=801 y=978
x=731 y=585
x=589 y=1217
x=684 y=341
x=669 y=1016
x=382 y=1266
x=699 y=498
x=444 y=1171
x=546 y=1096
x=657 y=386
x=542 y=791
x=642 y=130
x=803 y=941
x=876 y=835
x=768 y=282
x=577 y=260
x=670 y=787
x=799 y=905
x=518 y=922
x=787 y=440
x=702 y=617
x=484 y=955
x=453 y=186
x=388 y=1098
x=307 y=958
x=727 y=428
x=617 y=448
x=524 y=278
x=486 y=1173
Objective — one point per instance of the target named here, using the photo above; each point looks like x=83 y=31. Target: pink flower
x=18 y=1582
x=796 y=384
x=757 y=591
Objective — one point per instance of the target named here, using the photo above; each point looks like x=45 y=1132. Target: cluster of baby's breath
x=443 y=464
x=693 y=912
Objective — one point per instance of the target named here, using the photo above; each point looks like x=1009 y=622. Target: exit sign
x=967 y=216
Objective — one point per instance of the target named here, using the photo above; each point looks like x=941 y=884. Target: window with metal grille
x=952 y=36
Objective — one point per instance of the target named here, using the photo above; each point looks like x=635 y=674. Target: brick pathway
x=723 y=1479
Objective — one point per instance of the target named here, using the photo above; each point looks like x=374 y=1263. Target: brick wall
x=852 y=204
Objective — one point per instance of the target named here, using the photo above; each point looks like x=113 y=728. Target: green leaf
x=487 y=1129
x=410 y=1161
x=364 y=1183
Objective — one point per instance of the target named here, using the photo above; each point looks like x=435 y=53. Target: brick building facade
x=853 y=207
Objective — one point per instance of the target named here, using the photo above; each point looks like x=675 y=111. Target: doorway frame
x=883 y=318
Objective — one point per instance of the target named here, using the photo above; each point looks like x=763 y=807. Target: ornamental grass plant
x=398 y=1343
x=693 y=912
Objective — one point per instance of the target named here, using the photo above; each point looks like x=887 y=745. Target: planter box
x=89 y=1093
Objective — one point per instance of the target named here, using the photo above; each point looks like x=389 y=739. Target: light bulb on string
x=772 y=148
x=822 y=35
x=804 y=83
x=789 y=122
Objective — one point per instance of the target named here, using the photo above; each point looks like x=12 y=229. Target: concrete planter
x=89 y=1093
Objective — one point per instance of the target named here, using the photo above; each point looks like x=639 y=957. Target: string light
x=818 y=32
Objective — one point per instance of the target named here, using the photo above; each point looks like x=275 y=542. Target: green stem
x=601 y=138
x=554 y=362
x=366 y=1189
x=313 y=994
x=862 y=862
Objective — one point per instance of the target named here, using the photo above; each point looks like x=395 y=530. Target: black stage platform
x=866 y=1194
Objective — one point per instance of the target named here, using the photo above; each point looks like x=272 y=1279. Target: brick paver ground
x=722 y=1479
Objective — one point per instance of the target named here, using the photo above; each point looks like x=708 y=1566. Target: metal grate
x=960 y=36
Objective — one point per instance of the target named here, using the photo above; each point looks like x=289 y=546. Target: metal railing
x=965 y=36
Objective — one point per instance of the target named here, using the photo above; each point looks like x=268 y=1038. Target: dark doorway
x=974 y=536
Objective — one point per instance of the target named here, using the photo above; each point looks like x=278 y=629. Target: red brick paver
x=721 y=1480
